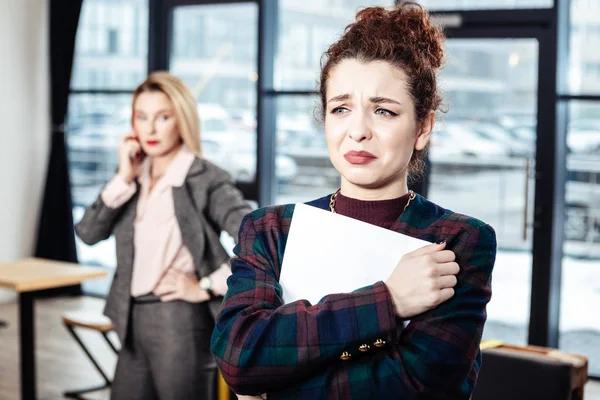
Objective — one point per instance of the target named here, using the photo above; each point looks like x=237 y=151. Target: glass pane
x=111 y=50
x=584 y=65
x=214 y=50
x=579 y=322
x=306 y=29
x=482 y=156
x=484 y=4
x=94 y=125
x=301 y=145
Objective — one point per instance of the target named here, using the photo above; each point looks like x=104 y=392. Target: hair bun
x=406 y=38
x=411 y=27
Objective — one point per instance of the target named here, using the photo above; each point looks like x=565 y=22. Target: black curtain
x=55 y=239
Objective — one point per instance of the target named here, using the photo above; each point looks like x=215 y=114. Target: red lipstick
x=359 y=157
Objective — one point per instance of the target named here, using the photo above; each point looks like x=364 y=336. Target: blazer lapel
x=420 y=220
x=190 y=223
x=125 y=235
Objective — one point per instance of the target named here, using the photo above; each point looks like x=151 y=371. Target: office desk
x=27 y=277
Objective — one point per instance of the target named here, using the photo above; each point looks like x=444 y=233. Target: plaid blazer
x=294 y=351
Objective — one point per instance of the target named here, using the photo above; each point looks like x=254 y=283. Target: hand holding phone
x=130 y=156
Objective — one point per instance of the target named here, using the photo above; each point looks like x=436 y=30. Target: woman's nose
x=359 y=128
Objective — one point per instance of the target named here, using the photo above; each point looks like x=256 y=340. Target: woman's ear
x=425 y=129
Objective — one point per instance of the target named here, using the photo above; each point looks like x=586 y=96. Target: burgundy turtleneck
x=382 y=213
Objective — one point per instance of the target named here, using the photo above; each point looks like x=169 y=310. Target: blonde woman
x=166 y=207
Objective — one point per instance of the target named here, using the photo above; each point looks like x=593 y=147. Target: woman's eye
x=384 y=112
x=339 y=110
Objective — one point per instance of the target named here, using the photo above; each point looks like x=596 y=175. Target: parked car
x=584 y=136
x=504 y=137
x=213 y=119
x=455 y=140
x=583 y=198
x=526 y=134
x=236 y=153
x=92 y=143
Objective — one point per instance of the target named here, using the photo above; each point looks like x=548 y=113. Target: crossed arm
x=293 y=350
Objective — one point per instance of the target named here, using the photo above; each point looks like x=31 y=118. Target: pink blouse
x=158 y=244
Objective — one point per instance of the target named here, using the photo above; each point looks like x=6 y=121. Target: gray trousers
x=166 y=355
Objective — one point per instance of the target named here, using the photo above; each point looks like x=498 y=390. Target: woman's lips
x=359 y=157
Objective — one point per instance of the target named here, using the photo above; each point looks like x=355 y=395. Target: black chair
x=525 y=373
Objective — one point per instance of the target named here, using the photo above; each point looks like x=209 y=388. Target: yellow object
x=223 y=389
x=490 y=344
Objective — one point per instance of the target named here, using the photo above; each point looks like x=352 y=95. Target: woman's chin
x=362 y=179
x=159 y=151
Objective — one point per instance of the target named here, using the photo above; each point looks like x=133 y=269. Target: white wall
x=24 y=123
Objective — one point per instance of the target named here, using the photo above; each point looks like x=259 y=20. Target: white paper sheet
x=328 y=253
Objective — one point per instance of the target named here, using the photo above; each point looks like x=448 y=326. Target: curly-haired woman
x=379 y=100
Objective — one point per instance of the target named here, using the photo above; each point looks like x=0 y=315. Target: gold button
x=379 y=343
x=364 y=347
x=345 y=356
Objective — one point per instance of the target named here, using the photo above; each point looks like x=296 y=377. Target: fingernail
x=441 y=242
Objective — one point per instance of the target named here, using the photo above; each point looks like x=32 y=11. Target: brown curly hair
x=404 y=37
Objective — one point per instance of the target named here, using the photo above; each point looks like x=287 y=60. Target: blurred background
x=484 y=150
x=519 y=145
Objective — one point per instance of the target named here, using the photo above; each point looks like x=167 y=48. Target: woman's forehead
x=374 y=78
x=152 y=101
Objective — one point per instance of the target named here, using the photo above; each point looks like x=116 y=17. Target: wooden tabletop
x=32 y=274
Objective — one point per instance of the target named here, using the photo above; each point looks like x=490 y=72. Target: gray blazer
x=206 y=204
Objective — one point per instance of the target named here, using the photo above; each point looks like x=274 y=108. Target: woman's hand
x=176 y=285
x=130 y=156
x=219 y=280
x=422 y=280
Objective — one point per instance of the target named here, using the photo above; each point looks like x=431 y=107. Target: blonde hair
x=184 y=104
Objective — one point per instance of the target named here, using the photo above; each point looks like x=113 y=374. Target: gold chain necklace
x=411 y=196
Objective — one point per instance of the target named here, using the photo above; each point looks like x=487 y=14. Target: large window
x=484 y=4
x=306 y=29
x=584 y=65
x=579 y=322
x=110 y=61
x=214 y=49
x=301 y=139
x=112 y=45
x=482 y=154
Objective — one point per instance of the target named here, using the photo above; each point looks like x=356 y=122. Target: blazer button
x=345 y=356
x=364 y=347
x=379 y=343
